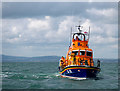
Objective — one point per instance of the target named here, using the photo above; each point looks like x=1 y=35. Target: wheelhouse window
x=75 y=52
x=82 y=52
x=81 y=37
x=89 y=53
x=78 y=36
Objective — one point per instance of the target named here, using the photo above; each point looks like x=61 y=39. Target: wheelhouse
x=84 y=53
x=79 y=36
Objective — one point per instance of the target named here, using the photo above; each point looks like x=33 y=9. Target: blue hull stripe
x=84 y=72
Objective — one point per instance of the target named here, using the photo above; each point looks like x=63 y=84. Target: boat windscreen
x=82 y=52
x=75 y=52
x=89 y=53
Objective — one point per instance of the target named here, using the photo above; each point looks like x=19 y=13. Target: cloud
x=101 y=40
x=41 y=25
x=43 y=29
x=96 y=29
x=63 y=29
x=114 y=46
x=106 y=15
x=14 y=30
x=36 y=9
x=104 y=12
x=46 y=29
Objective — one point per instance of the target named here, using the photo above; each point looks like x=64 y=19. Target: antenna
x=70 y=35
x=79 y=27
x=89 y=33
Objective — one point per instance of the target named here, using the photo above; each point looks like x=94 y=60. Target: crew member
x=98 y=63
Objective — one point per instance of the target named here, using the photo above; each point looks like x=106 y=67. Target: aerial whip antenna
x=79 y=27
x=89 y=33
x=70 y=35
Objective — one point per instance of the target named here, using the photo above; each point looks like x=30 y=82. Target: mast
x=79 y=27
x=89 y=33
x=70 y=36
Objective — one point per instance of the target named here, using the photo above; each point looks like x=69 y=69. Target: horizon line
x=51 y=55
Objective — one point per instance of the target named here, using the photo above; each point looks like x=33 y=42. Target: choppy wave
x=46 y=76
x=12 y=75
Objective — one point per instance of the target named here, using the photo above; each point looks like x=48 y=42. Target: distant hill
x=6 y=58
x=106 y=60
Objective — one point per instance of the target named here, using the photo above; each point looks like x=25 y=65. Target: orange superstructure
x=79 y=63
x=79 y=52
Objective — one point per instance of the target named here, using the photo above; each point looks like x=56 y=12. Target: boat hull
x=79 y=72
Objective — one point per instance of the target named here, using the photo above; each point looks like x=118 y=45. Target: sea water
x=45 y=75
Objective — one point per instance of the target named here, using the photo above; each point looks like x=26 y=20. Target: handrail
x=79 y=34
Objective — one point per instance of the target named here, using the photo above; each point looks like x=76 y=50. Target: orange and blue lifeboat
x=79 y=63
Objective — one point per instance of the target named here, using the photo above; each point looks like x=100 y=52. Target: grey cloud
x=37 y=9
x=33 y=39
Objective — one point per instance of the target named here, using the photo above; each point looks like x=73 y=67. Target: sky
x=43 y=28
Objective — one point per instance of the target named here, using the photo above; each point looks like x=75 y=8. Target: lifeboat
x=79 y=63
